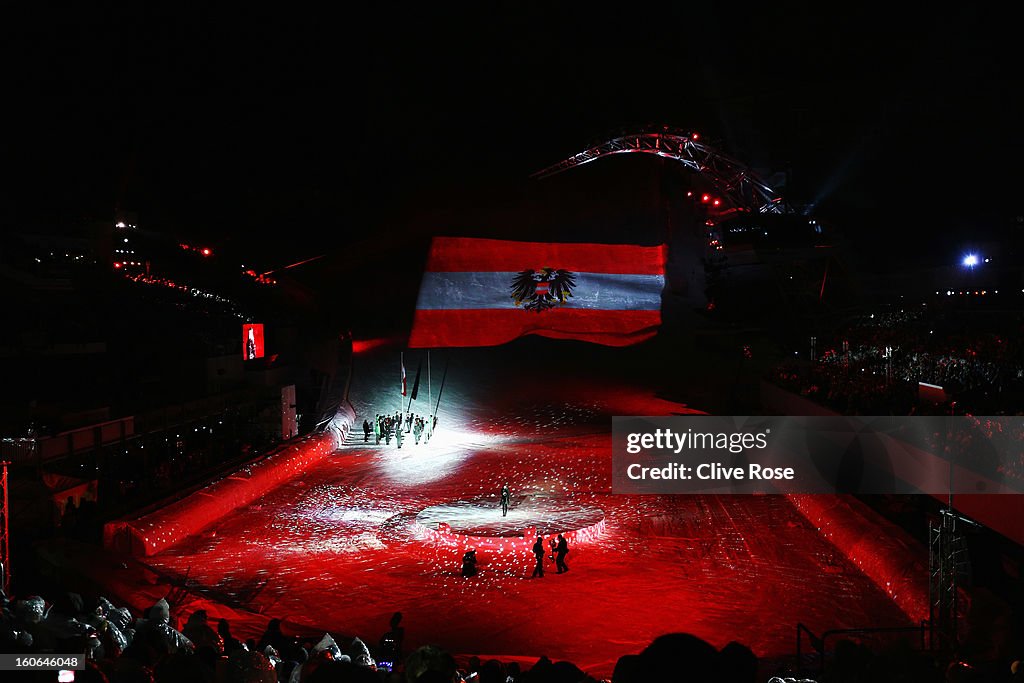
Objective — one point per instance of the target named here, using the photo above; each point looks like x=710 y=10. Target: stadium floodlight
x=970 y=260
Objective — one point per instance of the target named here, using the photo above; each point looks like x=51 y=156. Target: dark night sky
x=292 y=129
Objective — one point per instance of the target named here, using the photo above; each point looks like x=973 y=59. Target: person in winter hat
x=159 y=621
x=360 y=654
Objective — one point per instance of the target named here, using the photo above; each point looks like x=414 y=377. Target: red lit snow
x=340 y=547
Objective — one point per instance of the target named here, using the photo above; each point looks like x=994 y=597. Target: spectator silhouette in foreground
x=328 y=671
x=360 y=655
x=273 y=637
x=250 y=667
x=156 y=636
x=198 y=630
x=181 y=666
x=679 y=657
x=737 y=663
x=230 y=642
x=390 y=646
x=430 y=664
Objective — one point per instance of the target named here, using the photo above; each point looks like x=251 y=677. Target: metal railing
x=820 y=645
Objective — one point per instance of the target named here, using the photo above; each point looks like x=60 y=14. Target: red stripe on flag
x=466 y=254
x=478 y=327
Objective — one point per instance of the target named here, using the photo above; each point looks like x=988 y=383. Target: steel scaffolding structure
x=949 y=569
x=5 y=533
x=738 y=184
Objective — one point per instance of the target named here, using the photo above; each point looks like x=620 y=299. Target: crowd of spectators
x=122 y=648
x=145 y=468
x=994 y=446
x=874 y=364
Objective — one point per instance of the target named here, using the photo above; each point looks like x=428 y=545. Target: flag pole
x=430 y=400
x=415 y=387
x=440 y=391
x=401 y=385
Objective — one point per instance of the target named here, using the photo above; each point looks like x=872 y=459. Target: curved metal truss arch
x=738 y=185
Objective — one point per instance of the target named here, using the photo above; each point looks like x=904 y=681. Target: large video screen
x=252 y=341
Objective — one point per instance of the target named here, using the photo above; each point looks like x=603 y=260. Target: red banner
x=483 y=292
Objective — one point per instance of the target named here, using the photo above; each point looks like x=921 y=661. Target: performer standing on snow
x=417 y=429
x=506 y=500
x=538 y=552
x=469 y=563
x=562 y=549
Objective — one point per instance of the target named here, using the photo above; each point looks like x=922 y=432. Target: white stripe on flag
x=598 y=291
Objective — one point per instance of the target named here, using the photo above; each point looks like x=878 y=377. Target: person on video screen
x=250 y=346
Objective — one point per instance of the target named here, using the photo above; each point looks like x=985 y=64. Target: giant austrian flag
x=482 y=292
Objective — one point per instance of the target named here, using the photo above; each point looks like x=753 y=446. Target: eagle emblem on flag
x=539 y=290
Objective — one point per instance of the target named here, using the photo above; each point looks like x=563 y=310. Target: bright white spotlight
x=971 y=260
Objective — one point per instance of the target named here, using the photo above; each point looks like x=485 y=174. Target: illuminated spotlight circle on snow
x=432 y=460
x=478 y=523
